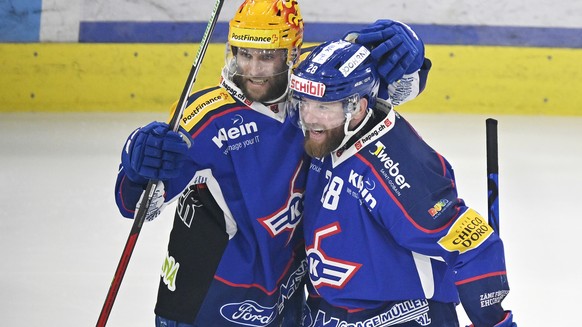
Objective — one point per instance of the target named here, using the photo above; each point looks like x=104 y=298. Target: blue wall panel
x=20 y=20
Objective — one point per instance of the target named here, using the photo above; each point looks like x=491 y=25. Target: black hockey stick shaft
x=492 y=173
x=154 y=184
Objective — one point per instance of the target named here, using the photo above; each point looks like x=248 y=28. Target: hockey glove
x=154 y=152
x=394 y=46
x=157 y=203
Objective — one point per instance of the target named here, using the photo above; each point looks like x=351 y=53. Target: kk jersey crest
x=288 y=217
x=324 y=270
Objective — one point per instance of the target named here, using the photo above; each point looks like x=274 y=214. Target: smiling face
x=261 y=74
x=324 y=123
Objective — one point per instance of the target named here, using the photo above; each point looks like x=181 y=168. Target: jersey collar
x=377 y=131
x=275 y=111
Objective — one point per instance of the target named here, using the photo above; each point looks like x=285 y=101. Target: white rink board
x=61 y=18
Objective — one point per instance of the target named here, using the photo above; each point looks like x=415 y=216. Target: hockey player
x=236 y=252
x=388 y=241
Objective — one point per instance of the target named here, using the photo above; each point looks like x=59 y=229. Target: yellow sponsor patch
x=203 y=105
x=251 y=38
x=467 y=233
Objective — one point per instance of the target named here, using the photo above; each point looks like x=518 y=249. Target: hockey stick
x=492 y=173
x=154 y=184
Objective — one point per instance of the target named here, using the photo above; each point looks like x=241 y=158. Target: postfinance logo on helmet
x=267 y=24
x=255 y=38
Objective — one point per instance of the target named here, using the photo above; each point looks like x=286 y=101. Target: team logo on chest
x=326 y=271
x=287 y=217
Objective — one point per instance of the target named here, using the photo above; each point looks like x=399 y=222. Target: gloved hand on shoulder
x=154 y=152
x=394 y=46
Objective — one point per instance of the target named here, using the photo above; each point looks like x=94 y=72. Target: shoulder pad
x=201 y=104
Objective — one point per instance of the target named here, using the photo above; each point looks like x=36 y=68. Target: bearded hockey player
x=236 y=254
x=388 y=241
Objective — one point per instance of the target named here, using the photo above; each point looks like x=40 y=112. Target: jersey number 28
x=331 y=192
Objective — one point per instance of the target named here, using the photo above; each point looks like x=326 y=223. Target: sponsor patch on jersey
x=467 y=233
x=363 y=188
x=492 y=298
x=235 y=92
x=241 y=135
x=373 y=134
x=248 y=313
x=391 y=170
x=203 y=105
x=435 y=211
x=399 y=313
x=170 y=272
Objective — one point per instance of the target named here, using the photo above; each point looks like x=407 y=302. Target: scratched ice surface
x=61 y=236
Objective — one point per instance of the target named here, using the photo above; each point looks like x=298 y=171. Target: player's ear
x=359 y=113
x=363 y=108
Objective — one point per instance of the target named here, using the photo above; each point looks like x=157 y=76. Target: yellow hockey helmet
x=268 y=24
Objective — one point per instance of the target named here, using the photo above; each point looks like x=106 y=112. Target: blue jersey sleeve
x=194 y=121
x=127 y=194
x=431 y=219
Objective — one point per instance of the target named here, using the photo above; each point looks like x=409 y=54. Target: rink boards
x=149 y=77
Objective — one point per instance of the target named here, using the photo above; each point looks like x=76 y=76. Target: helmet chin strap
x=349 y=134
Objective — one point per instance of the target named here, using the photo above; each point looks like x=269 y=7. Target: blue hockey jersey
x=384 y=227
x=263 y=264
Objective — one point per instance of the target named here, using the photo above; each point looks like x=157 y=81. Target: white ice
x=61 y=235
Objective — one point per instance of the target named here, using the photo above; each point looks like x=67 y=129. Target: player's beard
x=323 y=143
x=271 y=89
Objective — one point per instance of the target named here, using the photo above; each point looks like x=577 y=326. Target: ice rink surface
x=61 y=235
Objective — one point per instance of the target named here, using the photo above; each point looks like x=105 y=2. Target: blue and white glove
x=154 y=152
x=394 y=46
